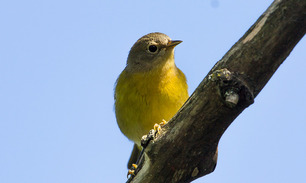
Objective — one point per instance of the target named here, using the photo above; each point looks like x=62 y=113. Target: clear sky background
x=59 y=61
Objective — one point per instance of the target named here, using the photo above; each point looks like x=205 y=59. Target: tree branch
x=186 y=148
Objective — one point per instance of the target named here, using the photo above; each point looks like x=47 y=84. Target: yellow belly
x=143 y=99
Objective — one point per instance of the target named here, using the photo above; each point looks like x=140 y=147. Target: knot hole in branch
x=232 y=88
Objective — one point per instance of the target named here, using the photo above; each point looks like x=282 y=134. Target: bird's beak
x=173 y=43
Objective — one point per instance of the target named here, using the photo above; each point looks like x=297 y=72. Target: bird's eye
x=152 y=48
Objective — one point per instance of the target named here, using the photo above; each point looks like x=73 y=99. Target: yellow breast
x=143 y=99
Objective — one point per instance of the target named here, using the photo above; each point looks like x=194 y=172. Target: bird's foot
x=158 y=127
x=132 y=170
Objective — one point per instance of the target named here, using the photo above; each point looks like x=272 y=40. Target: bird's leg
x=145 y=140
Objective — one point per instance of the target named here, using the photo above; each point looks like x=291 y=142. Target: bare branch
x=186 y=149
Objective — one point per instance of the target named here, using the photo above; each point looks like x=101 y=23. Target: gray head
x=150 y=51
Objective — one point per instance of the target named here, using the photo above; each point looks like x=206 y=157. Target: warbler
x=150 y=88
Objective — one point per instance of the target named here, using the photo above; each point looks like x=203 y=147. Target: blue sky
x=59 y=61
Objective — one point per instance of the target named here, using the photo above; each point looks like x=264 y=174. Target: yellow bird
x=150 y=88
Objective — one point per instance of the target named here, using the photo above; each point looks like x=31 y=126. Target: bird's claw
x=132 y=170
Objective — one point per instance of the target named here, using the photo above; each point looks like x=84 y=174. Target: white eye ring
x=152 y=48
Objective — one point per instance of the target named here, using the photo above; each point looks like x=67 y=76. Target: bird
x=150 y=89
